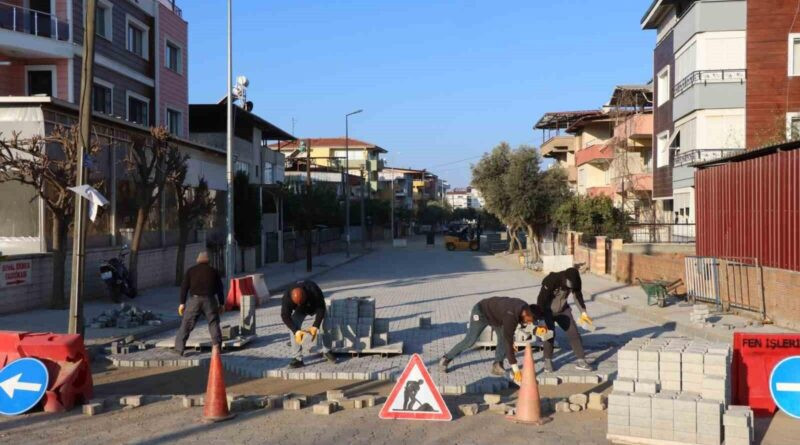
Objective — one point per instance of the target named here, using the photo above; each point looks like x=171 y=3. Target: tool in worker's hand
x=517 y=374
x=586 y=322
x=313 y=331
x=298 y=336
x=543 y=333
x=180 y=310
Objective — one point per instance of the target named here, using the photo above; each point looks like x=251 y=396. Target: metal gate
x=728 y=283
x=702 y=279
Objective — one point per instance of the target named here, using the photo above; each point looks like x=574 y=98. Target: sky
x=440 y=82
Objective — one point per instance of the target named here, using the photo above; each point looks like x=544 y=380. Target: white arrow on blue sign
x=22 y=384
x=784 y=385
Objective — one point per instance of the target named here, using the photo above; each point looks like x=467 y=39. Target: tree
x=151 y=164
x=432 y=213
x=488 y=177
x=593 y=216
x=194 y=205
x=49 y=165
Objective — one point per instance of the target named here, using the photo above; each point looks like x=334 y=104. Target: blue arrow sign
x=22 y=384
x=784 y=385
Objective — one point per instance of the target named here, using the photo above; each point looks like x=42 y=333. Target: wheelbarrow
x=658 y=290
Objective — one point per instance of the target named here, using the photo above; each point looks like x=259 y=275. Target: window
x=137 y=37
x=40 y=81
x=241 y=166
x=794 y=54
x=354 y=154
x=137 y=109
x=662 y=88
x=172 y=57
x=662 y=147
x=792 y=126
x=103 y=19
x=102 y=98
x=269 y=176
x=174 y=122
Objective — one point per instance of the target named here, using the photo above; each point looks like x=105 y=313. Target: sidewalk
x=164 y=302
x=633 y=300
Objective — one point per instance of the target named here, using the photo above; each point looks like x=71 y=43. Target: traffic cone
x=216 y=402
x=529 y=408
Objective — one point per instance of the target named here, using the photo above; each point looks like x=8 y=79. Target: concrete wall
x=713 y=15
x=630 y=266
x=156 y=268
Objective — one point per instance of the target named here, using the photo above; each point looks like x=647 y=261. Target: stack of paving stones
x=738 y=424
x=699 y=314
x=350 y=326
x=126 y=317
x=673 y=389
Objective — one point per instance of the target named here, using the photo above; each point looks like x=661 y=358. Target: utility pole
x=364 y=175
x=392 y=208
x=229 y=263
x=347 y=183
x=84 y=139
x=309 y=221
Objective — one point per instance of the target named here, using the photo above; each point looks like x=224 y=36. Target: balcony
x=600 y=191
x=637 y=182
x=706 y=77
x=557 y=146
x=32 y=22
x=686 y=158
x=637 y=129
x=594 y=154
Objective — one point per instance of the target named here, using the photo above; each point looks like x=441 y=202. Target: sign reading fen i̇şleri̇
x=15 y=273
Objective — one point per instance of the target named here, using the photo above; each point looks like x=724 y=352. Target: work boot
x=177 y=352
x=548 y=365
x=295 y=363
x=497 y=369
x=443 y=362
x=329 y=357
x=582 y=365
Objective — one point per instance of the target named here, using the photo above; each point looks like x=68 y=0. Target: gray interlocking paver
x=408 y=284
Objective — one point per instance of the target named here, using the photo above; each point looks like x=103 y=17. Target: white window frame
x=170 y=42
x=128 y=95
x=665 y=162
x=790 y=67
x=664 y=98
x=129 y=20
x=109 y=19
x=108 y=85
x=167 y=109
x=789 y=116
x=53 y=72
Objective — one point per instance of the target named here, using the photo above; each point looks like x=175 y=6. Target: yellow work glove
x=313 y=331
x=585 y=318
x=180 y=309
x=298 y=336
x=541 y=330
x=517 y=374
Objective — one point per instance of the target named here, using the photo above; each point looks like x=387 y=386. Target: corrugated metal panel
x=751 y=210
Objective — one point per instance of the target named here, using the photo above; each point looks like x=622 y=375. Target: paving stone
x=574 y=407
x=292 y=404
x=500 y=408
x=561 y=407
x=93 y=409
x=579 y=399
x=492 y=399
x=324 y=408
x=469 y=409
x=132 y=401
x=334 y=395
x=597 y=401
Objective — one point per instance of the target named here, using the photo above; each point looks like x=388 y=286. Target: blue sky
x=439 y=81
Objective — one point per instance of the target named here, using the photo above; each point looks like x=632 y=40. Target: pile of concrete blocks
x=738 y=425
x=126 y=317
x=699 y=314
x=351 y=326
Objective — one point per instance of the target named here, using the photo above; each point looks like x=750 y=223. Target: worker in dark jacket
x=503 y=314
x=201 y=294
x=303 y=298
x=552 y=299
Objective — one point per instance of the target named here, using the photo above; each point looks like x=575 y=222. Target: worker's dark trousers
x=567 y=323
x=477 y=323
x=195 y=307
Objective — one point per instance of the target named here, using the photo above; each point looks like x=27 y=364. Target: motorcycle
x=114 y=273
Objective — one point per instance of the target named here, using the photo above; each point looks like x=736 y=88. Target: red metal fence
x=751 y=209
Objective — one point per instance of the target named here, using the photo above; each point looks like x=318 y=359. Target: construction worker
x=203 y=284
x=552 y=300
x=303 y=298
x=503 y=314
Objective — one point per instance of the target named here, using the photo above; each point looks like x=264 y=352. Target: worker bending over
x=302 y=299
x=552 y=300
x=503 y=314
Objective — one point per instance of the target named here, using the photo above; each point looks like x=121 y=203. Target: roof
x=654 y=13
x=632 y=96
x=338 y=142
x=582 y=122
x=750 y=154
x=212 y=118
x=558 y=119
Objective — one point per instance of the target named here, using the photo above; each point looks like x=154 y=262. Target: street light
x=229 y=265
x=347 y=177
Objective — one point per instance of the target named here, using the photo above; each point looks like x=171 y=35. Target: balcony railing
x=702 y=154
x=710 y=76
x=170 y=4
x=30 y=21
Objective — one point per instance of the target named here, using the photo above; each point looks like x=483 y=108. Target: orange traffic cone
x=216 y=403
x=529 y=409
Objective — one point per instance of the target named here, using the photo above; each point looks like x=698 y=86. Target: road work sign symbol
x=22 y=384
x=415 y=396
x=784 y=385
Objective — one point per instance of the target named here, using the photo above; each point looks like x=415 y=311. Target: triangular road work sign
x=415 y=396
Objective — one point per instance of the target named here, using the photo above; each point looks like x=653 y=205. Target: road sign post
x=22 y=385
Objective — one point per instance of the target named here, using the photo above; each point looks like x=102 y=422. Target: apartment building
x=363 y=158
x=594 y=154
x=141 y=49
x=561 y=147
x=700 y=77
x=400 y=182
x=465 y=198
